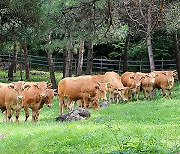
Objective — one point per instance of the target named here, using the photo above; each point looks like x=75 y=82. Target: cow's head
x=151 y=76
x=137 y=79
x=124 y=93
x=19 y=88
x=42 y=86
x=50 y=93
x=101 y=90
x=170 y=76
x=94 y=103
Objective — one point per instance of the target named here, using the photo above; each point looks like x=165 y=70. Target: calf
x=117 y=90
x=33 y=98
x=11 y=97
x=50 y=93
x=148 y=84
x=133 y=81
x=165 y=81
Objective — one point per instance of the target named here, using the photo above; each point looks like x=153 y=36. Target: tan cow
x=50 y=93
x=11 y=96
x=117 y=90
x=33 y=97
x=133 y=81
x=87 y=88
x=148 y=84
x=165 y=81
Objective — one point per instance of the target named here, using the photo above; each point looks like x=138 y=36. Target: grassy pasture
x=133 y=127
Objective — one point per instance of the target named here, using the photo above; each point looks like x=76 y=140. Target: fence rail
x=99 y=65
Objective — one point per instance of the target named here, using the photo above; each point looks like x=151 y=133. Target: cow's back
x=71 y=87
x=161 y=79
x=114 y=79
x=3 y=91
x=126 y=80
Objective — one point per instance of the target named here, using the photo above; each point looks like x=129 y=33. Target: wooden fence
x=99 y=65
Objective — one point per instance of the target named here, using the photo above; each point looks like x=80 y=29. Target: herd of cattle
x=85 y=90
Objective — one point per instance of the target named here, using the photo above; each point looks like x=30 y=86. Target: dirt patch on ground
x=2 y=136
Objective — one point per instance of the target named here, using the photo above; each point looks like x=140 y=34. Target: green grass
x=133 y=127
x=36 y=78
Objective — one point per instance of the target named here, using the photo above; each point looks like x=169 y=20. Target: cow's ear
x=56 y=94
x=164 y=73
x=35 y=85
x=49 y=85
x=131 y=77
x=27 y=86
x=120 y=89
x=175 y=73
x=98 y=83
x=11 y=86
x=142 y=78
x=97 y=87
x=147 y=75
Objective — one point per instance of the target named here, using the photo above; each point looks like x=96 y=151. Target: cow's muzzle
x=49 y=105
x=20 y=97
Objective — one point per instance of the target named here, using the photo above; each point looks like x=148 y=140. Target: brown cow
x=133 y=81
x=11 y=97
x=165 y=81
x=117 y=89
x=33 y=97
x=148 y=84
x=50 y=93
x=87 y=88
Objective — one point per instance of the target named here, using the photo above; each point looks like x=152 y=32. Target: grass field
x=133 y=127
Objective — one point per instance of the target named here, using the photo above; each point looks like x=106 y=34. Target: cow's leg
x=144 y=91
x=150 y=95
x=163 y=90
x=137 y=96
x=8 y=108
x=61 y=104
x=132 y=95
x=26 y=112
x=86 y=102
x=17 y=115
x=69 y=103
x=5 y=116
x=169 y=94
x=38 y=112
x=34 y=116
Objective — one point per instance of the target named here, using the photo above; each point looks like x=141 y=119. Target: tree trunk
x=20 y=65
x=149 y=41
x=64 y=61
x=26 y=60
x=68 y=60
x=176 y=47
x=125 y=57
x=51 y=66
x=51 y=70
x=90 y=57
x=80 y=58
x=13 y=63
x=71 y=55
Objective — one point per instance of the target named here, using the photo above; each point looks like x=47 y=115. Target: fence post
x=9 y=57
x=119 y=65
x=101 y=65
x=162 y=64
x=140 y=65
